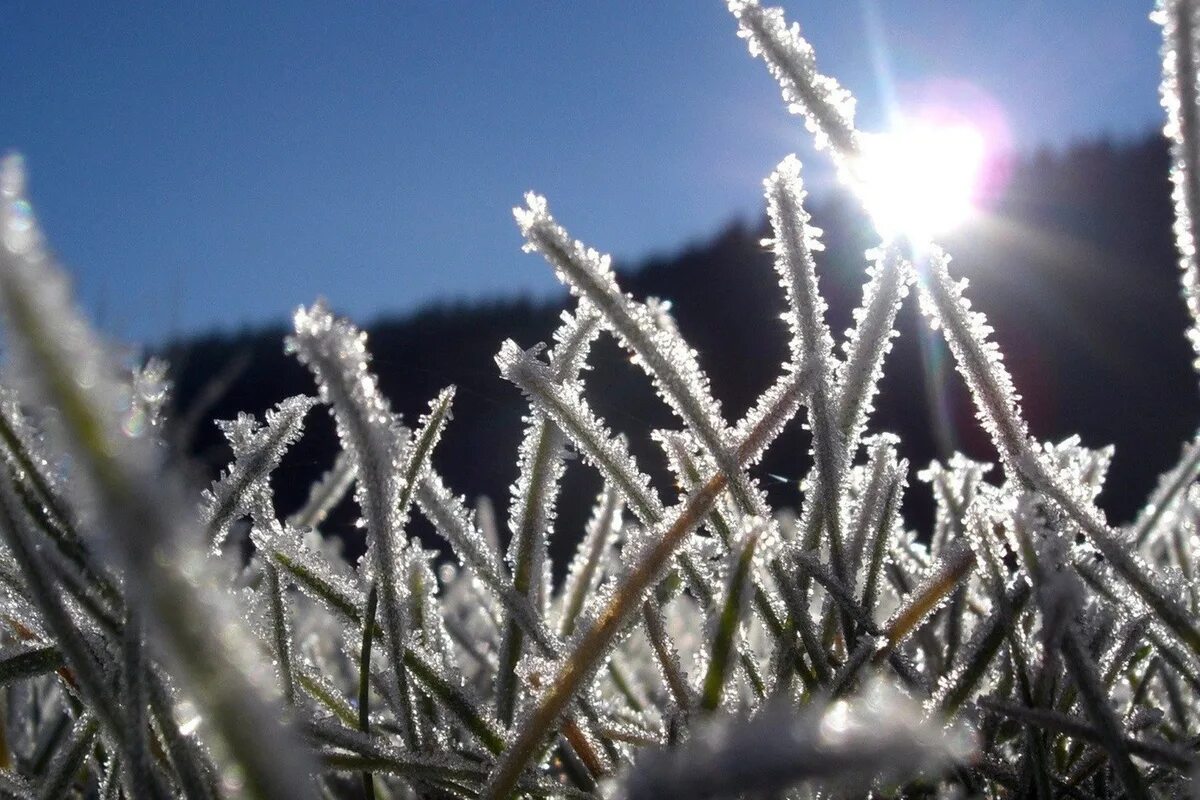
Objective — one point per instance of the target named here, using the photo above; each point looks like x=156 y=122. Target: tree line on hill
x=1074 y=265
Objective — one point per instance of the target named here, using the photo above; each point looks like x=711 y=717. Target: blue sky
x=210 y=165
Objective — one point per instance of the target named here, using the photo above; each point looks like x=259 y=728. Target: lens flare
x=922 y=179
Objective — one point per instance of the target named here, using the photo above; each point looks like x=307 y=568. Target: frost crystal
x=257 y=451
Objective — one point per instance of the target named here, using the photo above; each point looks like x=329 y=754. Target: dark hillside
x=1075 y=269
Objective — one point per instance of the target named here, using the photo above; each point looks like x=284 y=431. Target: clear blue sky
x=206 y=165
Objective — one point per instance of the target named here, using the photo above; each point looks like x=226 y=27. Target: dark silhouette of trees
x=1074 y=265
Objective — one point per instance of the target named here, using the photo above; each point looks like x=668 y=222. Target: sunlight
x=921 y=179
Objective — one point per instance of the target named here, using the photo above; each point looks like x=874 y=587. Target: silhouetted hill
x=1075 y=268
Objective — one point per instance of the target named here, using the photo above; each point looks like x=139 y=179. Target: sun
x=921 y=179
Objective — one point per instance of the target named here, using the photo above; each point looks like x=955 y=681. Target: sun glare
x=921 y=179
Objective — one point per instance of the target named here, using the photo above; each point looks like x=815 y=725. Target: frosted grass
x=702 y=642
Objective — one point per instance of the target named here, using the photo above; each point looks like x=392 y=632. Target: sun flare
x=921 y=179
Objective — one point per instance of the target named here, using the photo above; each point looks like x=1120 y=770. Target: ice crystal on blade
x=828 y=109
x=657 y=348
x=1180 y=94
x=541 y=462
x=565 y=405
x=869 y=342
x=336 y=353
x=978 y=357
x=257 y=451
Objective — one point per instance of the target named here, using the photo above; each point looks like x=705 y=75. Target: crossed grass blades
x=703 y=643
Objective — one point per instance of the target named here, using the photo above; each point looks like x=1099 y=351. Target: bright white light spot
x=188 y=727
x=835 y=722
x=921 y=179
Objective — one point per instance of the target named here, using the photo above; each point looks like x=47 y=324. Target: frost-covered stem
x=582 y=746
x=564 y=405
x=754 y=433
x=802 y=620
x=457 y=776
x=689 y=477
x=364 y=682
x=1181 y=548
x=878 y=536
x=319 y=689
x=661 y=353
x=531 y=515
x=870 y=341
x=426 y=632
x=110 y=782
x=568 y=409
x=83 y=585
x=454 y=700
x=61 y=773
x=58 y=524
x=257 y=454
x=1153 y=751
x=627 y=685
x=667 y=656
x=728 y=623
x=1125 y=644
x=980 y=363
x=92 y=683
x=827 y=107
x=336 y=353
x=540 y=471
x=1135 y=572
x=453 y=522
x=1059 y=594
x=485 y=523
x=811 y=566
x=415 y=464
x=281 y=630
x=194 y=772
x=1181 y=99
x=771 y=412
x=580 y=664
x=139 y=782
x=19 y=662
x=979 y=360
x=956 y=686
x=17 y=450
x=1171 y=487
x=347 y=604
x=583 y=576
x=950 y=571
x=811 y=343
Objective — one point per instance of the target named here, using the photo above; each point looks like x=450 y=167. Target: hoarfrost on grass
x=706 y=645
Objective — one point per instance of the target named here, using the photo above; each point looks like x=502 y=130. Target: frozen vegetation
x=702 y=644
